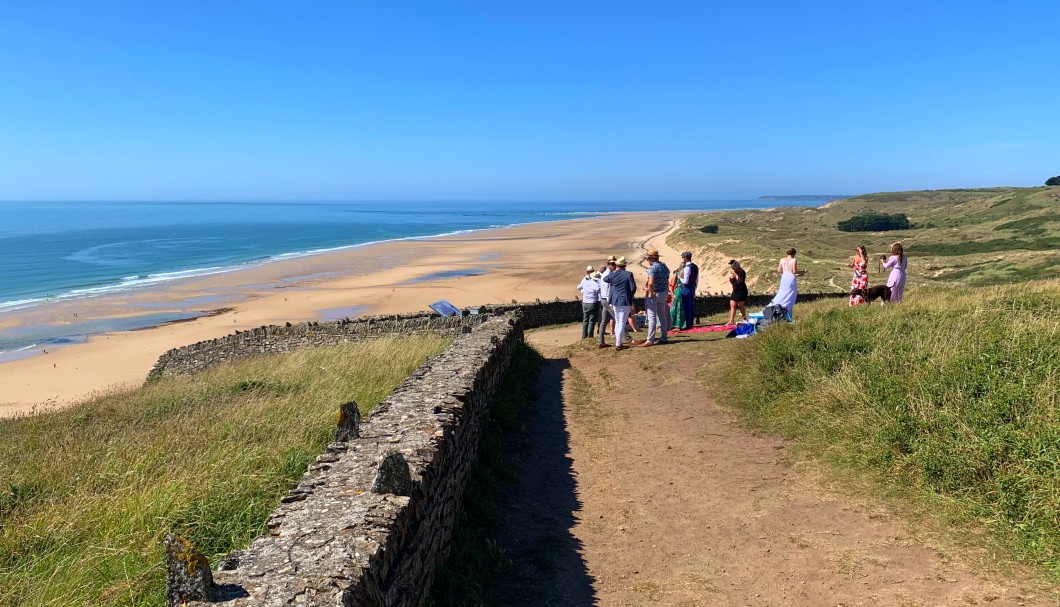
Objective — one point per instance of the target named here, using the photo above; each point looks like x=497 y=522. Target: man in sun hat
x=590 y=288
x=605 y=308
x=623 y=289
x=655 y=292
x=689 y=283
x=588 y=274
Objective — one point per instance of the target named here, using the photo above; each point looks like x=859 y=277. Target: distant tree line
x=873 y=221
x=1053 y=180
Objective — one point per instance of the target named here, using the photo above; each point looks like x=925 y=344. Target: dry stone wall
x=276 y=339
x=372 y=517
x=288 y=338
x=362 y=529
x=541 y=314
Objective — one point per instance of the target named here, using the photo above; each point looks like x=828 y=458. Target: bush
x=1053 y=180
x=872 y=221
x=709 y=229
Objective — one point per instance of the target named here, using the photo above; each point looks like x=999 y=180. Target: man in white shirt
x=590 y=288
x=689 y=284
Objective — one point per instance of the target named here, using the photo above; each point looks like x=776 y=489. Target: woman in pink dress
x=896 y=263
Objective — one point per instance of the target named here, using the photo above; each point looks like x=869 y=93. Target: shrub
x=1053 y=180
x=872 y=221
x=709 y=229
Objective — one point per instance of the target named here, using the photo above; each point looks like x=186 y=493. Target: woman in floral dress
x=860 y=281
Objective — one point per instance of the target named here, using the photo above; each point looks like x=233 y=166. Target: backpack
x=744 y=329
x=771 y=314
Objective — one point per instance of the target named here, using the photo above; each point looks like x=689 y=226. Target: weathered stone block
x=349 y=422
x=188 y=571
x=393 y=475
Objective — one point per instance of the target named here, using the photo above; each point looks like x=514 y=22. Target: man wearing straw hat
x=590 y=288
x=623 y=289
x=655 y=292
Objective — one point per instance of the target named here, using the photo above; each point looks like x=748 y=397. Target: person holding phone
x=896 y=263
x=738 y=299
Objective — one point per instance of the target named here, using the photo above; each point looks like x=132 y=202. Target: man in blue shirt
x=655 y=292
x=622 y=289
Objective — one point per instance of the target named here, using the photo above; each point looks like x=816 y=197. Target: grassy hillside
x=952 y=394
x=969 y=237
x=86 y=494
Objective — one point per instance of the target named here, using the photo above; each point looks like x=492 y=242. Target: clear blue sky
x=531 y=100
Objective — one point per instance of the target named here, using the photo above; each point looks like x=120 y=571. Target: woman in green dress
x=677 y=308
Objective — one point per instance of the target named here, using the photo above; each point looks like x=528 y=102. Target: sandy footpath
x=634 y=487
x=544 y=260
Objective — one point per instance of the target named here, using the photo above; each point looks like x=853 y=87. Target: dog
x=881 y=292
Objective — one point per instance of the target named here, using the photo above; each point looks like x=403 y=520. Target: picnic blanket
x=706 y=329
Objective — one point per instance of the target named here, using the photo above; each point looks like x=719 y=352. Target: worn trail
x=644 y=492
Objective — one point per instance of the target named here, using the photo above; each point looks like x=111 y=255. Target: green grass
x=476 y=560
x=969 y=237
x=1030 y=226
x=87 y=494
x=985 y=246
x=951 y=395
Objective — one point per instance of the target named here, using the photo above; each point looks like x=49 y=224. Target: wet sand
x=523 y=263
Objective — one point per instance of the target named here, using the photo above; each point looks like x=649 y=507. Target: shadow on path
x=536 y=508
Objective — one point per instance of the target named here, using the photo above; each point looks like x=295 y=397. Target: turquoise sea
x=58 y=251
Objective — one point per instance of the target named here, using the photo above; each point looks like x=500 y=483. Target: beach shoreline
x=542 y=260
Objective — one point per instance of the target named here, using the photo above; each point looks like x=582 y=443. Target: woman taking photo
x=896 y=263
x=738 y=299
x=859 y=262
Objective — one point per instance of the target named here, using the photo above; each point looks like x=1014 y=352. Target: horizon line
x=391 y=200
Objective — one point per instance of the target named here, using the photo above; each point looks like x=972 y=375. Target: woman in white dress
x=789 y=271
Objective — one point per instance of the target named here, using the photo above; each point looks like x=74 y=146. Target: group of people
x=608 y=295
x=860 y=293
x=896 y=263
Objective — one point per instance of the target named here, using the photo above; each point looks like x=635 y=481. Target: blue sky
x=534 y=100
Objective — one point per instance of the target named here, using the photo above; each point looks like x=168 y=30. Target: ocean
x=57 y=251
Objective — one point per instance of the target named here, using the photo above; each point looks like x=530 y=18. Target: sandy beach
x=534 y=261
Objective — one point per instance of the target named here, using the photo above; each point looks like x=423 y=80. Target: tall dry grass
x=952 y=393
x=86 y=494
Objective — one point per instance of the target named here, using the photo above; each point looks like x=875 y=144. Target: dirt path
x=644 y=492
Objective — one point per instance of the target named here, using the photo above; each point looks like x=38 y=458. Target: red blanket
x=706 y=329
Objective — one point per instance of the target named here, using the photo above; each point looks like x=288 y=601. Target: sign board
x=444 y=308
